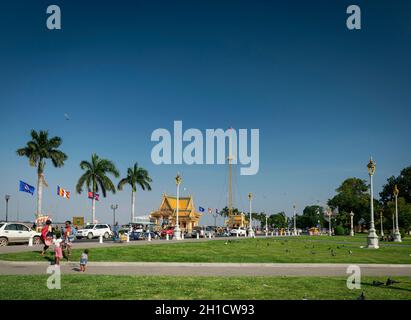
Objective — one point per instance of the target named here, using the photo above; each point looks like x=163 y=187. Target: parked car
x=13 y=232
x=197 y=230
x=239 y=231
x=95 y=230
x=169 y=231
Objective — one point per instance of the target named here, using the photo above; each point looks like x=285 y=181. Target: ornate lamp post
x=352 y=224
x=177 y=231
x=329 y=213
x=397 y=234
x=250 y=228
x=295 y=222
x=7 y=198
x=114 y=207
x=372 y=239
x=382 y=227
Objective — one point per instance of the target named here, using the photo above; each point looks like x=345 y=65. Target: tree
x=278 y=220
x=403 y=181
x=96 y=178
x=135 y=176
x=404 y=213
x=38 y=150
x=224 y=212
x=352 y=195
x=310 y=217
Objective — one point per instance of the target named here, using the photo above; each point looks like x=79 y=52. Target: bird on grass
x=362 y=296
x=391 y=282
x=333 y=253
x=349 y=252
x=377 y=283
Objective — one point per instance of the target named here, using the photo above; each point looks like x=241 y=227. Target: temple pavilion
x=187 y=215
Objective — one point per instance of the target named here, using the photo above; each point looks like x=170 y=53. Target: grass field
x=276 y=250
x=164 y=287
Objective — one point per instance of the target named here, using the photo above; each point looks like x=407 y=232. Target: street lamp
x=7 y=197
x=177 y=231
x=250 y=227
x=382 y=227
x=114 y=207
x=352 y=224
x=329 y=213
x=266 y=225
x=372 y=239
x=397 y=234
x=295 y=224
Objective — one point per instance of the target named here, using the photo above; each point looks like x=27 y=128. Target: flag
x=63 y=193
x=210 y=210
x=25 y=187
x=217 y=211
x=201 y=209
x=96 y=196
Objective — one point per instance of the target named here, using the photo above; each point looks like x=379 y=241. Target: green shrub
x=339 y=231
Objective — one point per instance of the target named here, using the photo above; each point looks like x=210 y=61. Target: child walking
x=58 y=251
x=83 y=260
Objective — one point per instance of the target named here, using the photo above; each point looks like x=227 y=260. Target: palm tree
x=38 y=150
x=96 y=178
x=135 y=176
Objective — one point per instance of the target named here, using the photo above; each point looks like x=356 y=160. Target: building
x=237 y=221
x=166 y=214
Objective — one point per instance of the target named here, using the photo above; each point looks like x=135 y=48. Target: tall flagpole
x=230 y=182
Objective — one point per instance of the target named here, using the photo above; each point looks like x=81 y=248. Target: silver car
x=14 y=232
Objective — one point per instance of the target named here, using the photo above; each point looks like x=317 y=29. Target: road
x=206 y=269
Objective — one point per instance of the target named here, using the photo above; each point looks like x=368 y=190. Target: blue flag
x=201 y=209
x=25 y=187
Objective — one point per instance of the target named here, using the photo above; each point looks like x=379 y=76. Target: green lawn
x=275 y=250
x=164 y=287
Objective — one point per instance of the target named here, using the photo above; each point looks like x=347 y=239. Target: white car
x=95 y=230
x=14 y=232
x=239 y=231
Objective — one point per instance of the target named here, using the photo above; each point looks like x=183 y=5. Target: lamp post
x=372 y=239
x=397 y=234
x=114 y=207
x=266 y=225
x=250 y=227
x=7 y=197
x=329 y=213
x=382 y=227
x=352 y=224
x=177 y=231
x=295 y=223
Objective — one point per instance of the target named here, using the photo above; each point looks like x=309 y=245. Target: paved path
x=207 y=269
x=105 y=244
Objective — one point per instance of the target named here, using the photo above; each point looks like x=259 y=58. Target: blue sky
x=324 y=98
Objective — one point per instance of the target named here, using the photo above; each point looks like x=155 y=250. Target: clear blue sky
x=324 y=98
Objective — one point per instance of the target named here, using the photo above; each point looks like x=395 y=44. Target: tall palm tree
x=135 y=176
x=38 y=150
x=96 y=178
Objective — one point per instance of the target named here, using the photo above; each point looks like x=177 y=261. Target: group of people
x=62 y=242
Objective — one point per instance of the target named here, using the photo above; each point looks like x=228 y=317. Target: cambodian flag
x=25 y=187
x=96 y=195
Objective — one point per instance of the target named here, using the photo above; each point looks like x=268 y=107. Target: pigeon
x=66 y=116
x=390 y=282
x=377 y=283
x=362 y=296
x=333 y=253
x=349 y=252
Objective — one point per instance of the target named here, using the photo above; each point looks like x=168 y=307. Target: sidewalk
x=206 y=269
